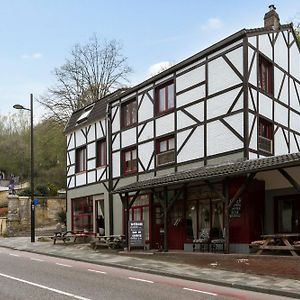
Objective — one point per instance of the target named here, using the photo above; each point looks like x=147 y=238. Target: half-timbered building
x=197 y=147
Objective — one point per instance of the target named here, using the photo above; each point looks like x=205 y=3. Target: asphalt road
x=25 y=275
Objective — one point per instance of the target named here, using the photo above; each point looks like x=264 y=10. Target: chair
x=203 y=240
x=217 y=238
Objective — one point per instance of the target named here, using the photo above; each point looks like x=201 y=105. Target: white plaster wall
x=281 y=52
x=237 y=122
x=72 y=156
x=116 y=143
x=91 y=134
x=278 y=76
x=293 y=145
x=164 y=79
x=253 y=73
x=181 y=137
x=70 y=138
x=183 y=120
x=91 y=150
x=280 y=143
x=91 y=176
x=284 y=95
x=189 y=79
x=221 y=139
x=190 y=96
x=265 y=45
x=71 y=171
x=145 y=152
x=165 y=124
x=118 y=220
x=252 y=155
x=80 y=138
x=147 y=132
x=236 y=57
x=252 y=40
x=99 y=130
x=80 y=179
x=253 y=140
x=116 y=164
x=294 y=60
x=294 y=102
x=265 y=106
x=190 y=66
x=227 y=48
x=197 y=110
x=220 y=76
x=295 y=121
x=145 y=111
x=128 y=137
x=281 y=114
x=91 y=164
x=142 y=90
x=72 y=182
x=194 y=148
x=100 y=172
x=116 y=122
x=130 y=96
x=220 y=105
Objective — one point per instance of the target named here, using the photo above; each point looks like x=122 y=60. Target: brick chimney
x=271 y=18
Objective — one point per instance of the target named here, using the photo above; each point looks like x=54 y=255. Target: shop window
x=82 y=214
x=265 y=136
x=101 y=153
x=129 y=161
x=129 y=113
x=266 y=77
x=164 y=98
x=80 y=159
x=165 y=149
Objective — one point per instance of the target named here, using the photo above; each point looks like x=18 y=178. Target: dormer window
x=83 y=117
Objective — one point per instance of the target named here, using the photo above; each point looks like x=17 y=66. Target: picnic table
x=279 y=242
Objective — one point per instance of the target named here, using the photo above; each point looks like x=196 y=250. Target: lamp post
x=32 y=207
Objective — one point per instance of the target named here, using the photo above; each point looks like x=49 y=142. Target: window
x=129 y=161
x=101 y=153
x=80 y=159
x=83 y=117
x=128 y=113
x=165 y=150
x=266 y=75
x=164 y=98
x=82 y=214
x=265 y=136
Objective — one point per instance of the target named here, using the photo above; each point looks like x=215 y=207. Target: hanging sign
x=235 y=211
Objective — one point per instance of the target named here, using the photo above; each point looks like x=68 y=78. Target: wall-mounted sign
x=136 y=234
x=235 y=211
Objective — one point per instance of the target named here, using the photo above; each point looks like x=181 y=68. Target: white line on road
x=96 y=271
x=44 y=287
x=63 y=265
x=202 y=292
x=16 y=255
x=36 y=259
x=139 y=279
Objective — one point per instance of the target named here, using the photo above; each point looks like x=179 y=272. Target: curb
x=161 y=273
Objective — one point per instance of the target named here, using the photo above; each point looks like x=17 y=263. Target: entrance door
x=287 y=214
x=99 y=206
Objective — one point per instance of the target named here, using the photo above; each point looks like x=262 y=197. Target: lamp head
x=19 y=106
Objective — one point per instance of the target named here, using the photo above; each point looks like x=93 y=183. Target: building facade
x=234 y=101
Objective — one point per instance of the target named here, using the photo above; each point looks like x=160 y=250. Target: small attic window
x=83 y=117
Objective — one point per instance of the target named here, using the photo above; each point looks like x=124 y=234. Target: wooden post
x=126 y=208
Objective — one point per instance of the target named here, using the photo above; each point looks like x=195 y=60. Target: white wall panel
x=295 y=61
x=71 y=171
x=253 y=73
x=281 y=114
x=91 y=150
x=293 y=145
x=252 y=155
x=99 y=130
x=91 y=133
x=281 y=52
x=294 y=102
x=221 y=139
x=91 y=164
x=252 y=105
x=128 y=137
x=252 y=40
x=295 y=121
x=265 y=106
x=191 y=78
x=80 y=179
x=116 y=143
x=222 y=50
x=165 y=124
x=190 y=66
x=253 y=139
x=220 y=76
x=146 y=109
x=183 y=120
x=280 y=143
x=236 y=57
x=130 y=96
x=145 y=153
x=101 y=174
x=70 y=138
x=284 y=95
x=142 y=90
x=72 y=156
x=220 y=105
x=164 y=79
x=236 y=122
x=197 y=110
x=278 y=76
x=190 y=96
x=194 y=148
x=72 y=182
x=181 y=137
x=116 y=122
x=80 y=138
x=265 y=45
x=147 y=132
x=116 y=164
x=91 y=176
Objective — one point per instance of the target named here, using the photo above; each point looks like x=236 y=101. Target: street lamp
x=32 y=209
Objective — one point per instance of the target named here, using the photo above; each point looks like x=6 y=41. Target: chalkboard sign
x=136 y=234
x=235 y=211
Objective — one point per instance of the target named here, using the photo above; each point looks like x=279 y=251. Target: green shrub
x=61 y=216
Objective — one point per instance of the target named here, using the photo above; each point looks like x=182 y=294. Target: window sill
x=81 y=172
x=166 y=112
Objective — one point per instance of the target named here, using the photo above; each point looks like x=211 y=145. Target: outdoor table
x=282 y=242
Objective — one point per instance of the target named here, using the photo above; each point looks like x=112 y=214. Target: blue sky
x=36 y=36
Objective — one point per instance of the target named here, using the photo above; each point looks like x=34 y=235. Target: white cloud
x=159 y=67
x=34 y=56
x=212 y=23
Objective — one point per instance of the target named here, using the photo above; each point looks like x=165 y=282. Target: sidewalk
x=157 y=264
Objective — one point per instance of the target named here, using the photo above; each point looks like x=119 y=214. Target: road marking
x=202 y=292
x=96 y=271
x=139 y=279
x=44 y=287
x=36 y=259
x=16 y=255
x=63 y=265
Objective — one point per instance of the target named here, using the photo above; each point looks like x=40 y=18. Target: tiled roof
x=229 y=169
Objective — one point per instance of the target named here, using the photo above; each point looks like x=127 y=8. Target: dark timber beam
x=175 y=198
x=214 y=190
x=290 y=179
x=125 y=202
x=133 y=199
x=165 y=208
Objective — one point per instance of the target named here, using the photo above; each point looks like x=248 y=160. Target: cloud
x=33 y=56
x=212 y=23
x=159 y=67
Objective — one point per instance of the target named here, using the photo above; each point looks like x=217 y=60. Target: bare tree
x=92 y=71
